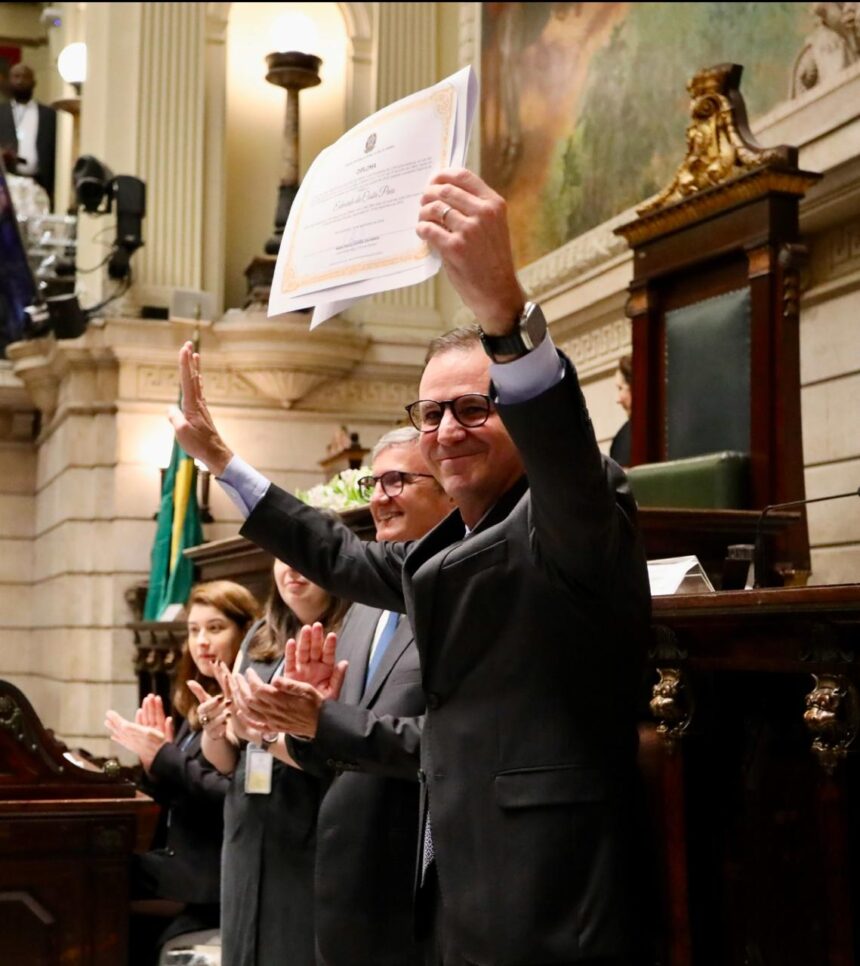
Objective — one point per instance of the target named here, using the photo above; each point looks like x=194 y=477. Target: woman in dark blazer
x=267 y=894
x=184 y=868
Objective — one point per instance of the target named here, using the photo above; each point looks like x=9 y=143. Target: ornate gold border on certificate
x=444 y=102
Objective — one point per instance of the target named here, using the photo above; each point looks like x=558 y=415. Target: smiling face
x=306 y=600
x=212 y=636
x=417 y=508
x=475 y=466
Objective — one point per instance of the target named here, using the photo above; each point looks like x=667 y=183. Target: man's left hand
x=466 y=222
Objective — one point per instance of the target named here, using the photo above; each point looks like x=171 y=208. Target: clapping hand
x=147 y=734
x=292 y=702
x=234 y=687
x=212 y=711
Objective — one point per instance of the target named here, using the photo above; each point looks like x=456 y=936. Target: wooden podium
x=66 y=833
x=753 y=778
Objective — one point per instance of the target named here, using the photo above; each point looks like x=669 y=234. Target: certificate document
x=351 y=229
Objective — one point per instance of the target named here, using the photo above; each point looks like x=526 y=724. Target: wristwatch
x=267 y=739
x=528 y=333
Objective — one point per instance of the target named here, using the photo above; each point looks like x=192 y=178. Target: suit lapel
x=424 y=562
x=354 y=646
x=396 y=646
x=421 y=568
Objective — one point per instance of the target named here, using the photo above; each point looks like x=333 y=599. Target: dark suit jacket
x=619 y=449
x=367 y=832
x=46 y=142
x=530 y=634
x=188 y=866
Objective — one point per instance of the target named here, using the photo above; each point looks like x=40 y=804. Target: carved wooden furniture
x=66 y=834
x=753 y=776
x=714 y=306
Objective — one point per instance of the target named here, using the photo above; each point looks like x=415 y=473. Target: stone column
x=143 y=113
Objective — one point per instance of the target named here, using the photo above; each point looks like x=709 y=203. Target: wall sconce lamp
x=72 y=65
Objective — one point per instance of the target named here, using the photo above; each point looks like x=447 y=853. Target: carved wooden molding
x=832 y=716
x=672 y=705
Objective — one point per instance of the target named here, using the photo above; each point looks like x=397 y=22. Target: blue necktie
x=381 y=646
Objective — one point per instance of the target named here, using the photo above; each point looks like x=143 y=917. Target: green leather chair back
x=708 y=377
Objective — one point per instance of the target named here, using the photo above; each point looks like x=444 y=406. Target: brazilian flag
x=179 y=526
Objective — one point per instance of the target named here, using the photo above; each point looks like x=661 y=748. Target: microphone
x=760 y=550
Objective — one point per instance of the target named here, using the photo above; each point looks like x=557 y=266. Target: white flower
x=340 y=493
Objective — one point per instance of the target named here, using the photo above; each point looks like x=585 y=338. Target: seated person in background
x=270 y=812
x=185 y=866
x=620 y=448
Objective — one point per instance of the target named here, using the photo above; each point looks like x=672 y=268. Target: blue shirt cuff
x=243 y=484
x=529 y=376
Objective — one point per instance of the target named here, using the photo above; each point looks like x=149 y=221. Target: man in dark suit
x=28 y=130
x=368 y=824
x=530 y=607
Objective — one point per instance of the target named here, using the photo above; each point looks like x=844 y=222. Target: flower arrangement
x=340 y=493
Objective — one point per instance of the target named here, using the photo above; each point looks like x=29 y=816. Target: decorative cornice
x=836 y=252
x=567 y=264
x=712 y=201
x=375 y=398
x=597 y=350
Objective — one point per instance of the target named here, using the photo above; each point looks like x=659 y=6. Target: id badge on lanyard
x=258 y=771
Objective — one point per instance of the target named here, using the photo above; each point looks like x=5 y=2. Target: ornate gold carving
x=832 y=716
x=791 y=258
x=719 y=144
x=741 y=190
x=112 y=768
x=11 y=717
x=671 y=705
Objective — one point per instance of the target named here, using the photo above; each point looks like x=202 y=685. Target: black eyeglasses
x=470 y=410
x=392 y=482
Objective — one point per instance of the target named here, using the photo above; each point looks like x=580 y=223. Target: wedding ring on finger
x=444 y=215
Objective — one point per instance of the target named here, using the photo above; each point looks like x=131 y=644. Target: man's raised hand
x=466 y=222
x=195 y=430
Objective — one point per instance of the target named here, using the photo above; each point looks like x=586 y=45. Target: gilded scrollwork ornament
x=832 y=716
x=672 y=705
x=719 y=144
x=10 y=717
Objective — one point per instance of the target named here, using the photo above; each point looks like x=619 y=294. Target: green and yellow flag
x=179 y=526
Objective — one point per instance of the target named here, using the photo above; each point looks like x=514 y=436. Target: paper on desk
x=674 y=575
x=351 y=229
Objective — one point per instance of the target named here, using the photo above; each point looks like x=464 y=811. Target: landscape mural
x=584 y=106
